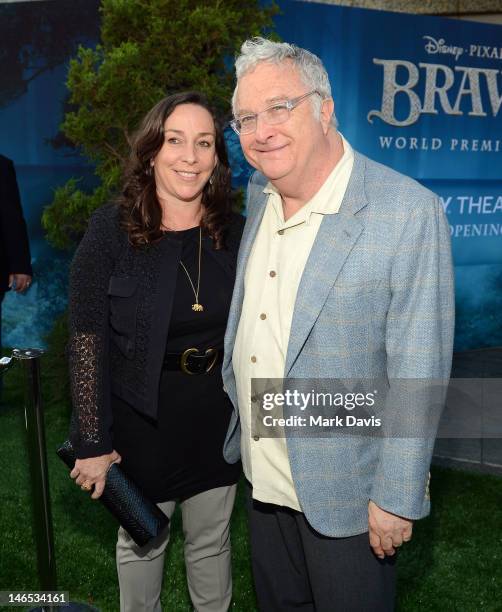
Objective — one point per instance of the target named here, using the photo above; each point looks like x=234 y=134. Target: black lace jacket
x=120 y=305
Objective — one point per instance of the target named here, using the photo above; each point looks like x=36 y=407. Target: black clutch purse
x=139 y=516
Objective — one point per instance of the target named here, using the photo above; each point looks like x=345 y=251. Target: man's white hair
x=311 y=69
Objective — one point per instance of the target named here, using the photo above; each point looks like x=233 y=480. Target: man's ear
x=327 y=110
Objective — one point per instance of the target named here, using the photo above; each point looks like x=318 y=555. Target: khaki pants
x=206 y=529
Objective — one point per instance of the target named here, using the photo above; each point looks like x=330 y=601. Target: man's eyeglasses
x=272 y=115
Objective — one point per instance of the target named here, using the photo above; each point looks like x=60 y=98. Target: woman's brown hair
x=140 y=210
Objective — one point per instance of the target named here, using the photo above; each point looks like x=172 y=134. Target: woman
x=151 y=285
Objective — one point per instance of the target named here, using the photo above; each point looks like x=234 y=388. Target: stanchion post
x=34 y=419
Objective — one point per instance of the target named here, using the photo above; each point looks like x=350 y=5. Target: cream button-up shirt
x=272 y=276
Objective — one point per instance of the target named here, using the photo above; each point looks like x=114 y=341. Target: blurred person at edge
x=15 y=259
x=344 y=271
x=150 y=289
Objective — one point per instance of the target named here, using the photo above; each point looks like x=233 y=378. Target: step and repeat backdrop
x=420 y=94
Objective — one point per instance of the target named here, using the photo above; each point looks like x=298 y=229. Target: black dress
x=180 y=454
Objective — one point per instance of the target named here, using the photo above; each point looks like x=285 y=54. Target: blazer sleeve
x=14 y=236
x=88 y=349
x=419 y=344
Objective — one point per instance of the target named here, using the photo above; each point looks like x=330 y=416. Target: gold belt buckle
x=190 y=351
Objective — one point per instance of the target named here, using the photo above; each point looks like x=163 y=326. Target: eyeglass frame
x=289 y=105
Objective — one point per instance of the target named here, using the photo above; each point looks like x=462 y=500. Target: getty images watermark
x=313 y=399
x=400 y=408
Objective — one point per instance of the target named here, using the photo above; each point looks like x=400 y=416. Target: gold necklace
x=196 y=307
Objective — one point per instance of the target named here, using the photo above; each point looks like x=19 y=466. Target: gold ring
x=86 y=486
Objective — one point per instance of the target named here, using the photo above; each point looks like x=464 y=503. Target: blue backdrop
x=423 y=95
x=37 y=40
x=420 y=94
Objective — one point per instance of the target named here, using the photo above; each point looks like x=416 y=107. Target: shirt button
x=263 y=316
x=253 y=359
x=256 y=438
x=272 y=273
x=281 y=232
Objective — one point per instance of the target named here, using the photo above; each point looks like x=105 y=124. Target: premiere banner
x=423 y=95
x=420 y=94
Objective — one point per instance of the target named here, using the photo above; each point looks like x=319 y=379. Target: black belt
x=193 y=361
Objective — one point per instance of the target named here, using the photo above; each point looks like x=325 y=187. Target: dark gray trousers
x=296 y=568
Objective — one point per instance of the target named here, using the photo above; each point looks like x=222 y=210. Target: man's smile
x=263 y=151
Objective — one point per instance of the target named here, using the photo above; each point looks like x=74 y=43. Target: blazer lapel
x=335 y=239
x=255 y=215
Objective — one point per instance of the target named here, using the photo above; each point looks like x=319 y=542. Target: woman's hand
x=92 y=471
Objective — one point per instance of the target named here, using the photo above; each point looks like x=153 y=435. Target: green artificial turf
x=454 y=561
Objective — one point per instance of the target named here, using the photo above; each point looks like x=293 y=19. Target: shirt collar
x=321 y=202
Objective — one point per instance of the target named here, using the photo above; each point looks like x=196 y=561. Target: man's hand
x=21 y=282
x=92 y=471
x=387 y=531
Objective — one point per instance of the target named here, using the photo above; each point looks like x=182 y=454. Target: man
x=15 y=266
x=344 y=271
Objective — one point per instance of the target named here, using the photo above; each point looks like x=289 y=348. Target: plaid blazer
x=376 y=300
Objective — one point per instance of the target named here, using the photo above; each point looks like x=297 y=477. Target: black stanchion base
x=70 y=607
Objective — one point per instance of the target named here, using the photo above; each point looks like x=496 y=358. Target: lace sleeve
x=88 y=343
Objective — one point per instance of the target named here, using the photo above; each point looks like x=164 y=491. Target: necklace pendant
x=197 y=307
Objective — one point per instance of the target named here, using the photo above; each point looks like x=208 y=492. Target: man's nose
x=263 y=130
